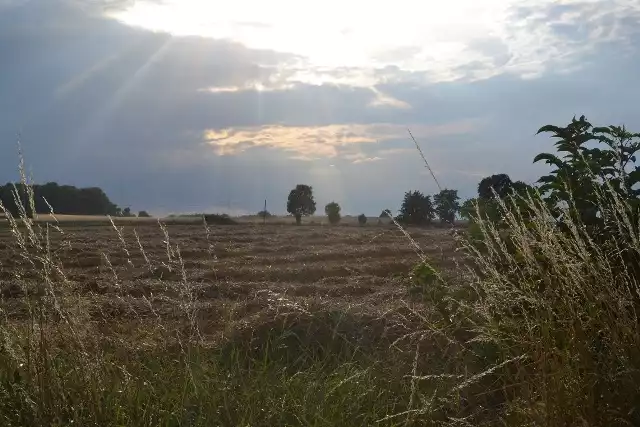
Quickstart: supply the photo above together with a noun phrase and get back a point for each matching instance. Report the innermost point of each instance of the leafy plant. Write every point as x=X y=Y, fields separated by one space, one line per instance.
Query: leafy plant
x=426 y=282
x=362 y=219
x=594 y=164
x=143 y=214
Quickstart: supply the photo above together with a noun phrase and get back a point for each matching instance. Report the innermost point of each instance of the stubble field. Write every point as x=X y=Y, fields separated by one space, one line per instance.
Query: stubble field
x=227 y=274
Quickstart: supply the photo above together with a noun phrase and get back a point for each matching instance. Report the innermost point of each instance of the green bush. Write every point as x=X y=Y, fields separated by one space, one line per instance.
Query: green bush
x=362 y=219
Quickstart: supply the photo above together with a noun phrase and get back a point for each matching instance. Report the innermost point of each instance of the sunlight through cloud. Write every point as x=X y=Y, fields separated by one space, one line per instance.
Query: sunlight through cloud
x=441 y=40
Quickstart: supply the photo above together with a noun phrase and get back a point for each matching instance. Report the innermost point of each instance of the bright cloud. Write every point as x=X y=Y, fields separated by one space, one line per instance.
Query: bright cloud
x=325 y=141
x=442 y=40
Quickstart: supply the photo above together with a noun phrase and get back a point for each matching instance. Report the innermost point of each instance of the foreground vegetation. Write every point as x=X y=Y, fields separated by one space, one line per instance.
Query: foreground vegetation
x=528 y=318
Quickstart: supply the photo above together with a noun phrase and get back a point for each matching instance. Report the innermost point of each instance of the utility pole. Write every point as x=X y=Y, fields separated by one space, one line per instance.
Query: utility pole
x=264 y=216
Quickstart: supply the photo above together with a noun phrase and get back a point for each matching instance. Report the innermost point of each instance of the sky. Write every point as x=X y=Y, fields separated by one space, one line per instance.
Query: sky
x=198 y=105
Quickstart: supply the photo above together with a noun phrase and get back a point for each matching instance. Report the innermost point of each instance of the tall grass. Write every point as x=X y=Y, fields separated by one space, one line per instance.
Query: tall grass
x=562 y=305
x=538 y=327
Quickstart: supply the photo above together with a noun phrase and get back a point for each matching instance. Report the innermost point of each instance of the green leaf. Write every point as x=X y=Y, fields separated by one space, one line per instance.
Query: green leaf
x=602 y=129
x=549 y=128
x=634 y=177
x=547 y=179
x=549 y=159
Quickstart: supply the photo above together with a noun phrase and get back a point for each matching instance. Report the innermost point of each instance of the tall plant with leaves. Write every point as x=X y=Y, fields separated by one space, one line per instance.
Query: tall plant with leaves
x=593 y=165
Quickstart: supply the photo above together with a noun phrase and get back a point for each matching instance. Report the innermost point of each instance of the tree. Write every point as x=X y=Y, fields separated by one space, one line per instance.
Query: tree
x=468 y=209
x=300 y=202
x=333 y=212
x=417 y=209
x=62 y=199
x=126 y=212
x=143 y=214
x=447 y=205
x=499 y=185
x=385 y=213
x=362 y=219
x=487 y=209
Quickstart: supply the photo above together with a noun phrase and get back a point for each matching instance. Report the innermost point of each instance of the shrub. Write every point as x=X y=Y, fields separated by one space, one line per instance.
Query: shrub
x=219 y=219
x=362 y=219
x=264 y=214
x=143 y=214
x=333 y=212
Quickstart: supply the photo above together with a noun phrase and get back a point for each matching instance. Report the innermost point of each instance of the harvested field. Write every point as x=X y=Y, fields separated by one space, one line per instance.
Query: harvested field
x=231 y=274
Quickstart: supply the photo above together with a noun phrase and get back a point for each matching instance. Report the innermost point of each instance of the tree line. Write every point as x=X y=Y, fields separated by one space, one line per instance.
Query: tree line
x=60 y=199
x=417 y=208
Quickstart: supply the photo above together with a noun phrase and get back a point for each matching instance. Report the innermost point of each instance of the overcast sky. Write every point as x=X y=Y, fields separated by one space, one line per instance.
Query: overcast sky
x=202 y=105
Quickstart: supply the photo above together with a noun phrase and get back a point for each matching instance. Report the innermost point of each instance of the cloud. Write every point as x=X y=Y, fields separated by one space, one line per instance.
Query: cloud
x=367 y=160
x=384 y=100
x=323 y=141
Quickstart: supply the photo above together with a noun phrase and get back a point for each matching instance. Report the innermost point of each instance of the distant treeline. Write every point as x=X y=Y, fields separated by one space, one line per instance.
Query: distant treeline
x=64 y=200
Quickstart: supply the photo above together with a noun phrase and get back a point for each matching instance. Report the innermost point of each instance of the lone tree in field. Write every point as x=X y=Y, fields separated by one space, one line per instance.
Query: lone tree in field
x=264 y=214
x=385 y=213
x=447 y=205
x=143 y=214
x=300 y=202
x=362 y=219
x=333 y=212
x=417 y=209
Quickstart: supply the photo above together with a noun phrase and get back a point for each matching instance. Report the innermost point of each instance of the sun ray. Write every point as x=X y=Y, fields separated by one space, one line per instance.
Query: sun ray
x=97 y=124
